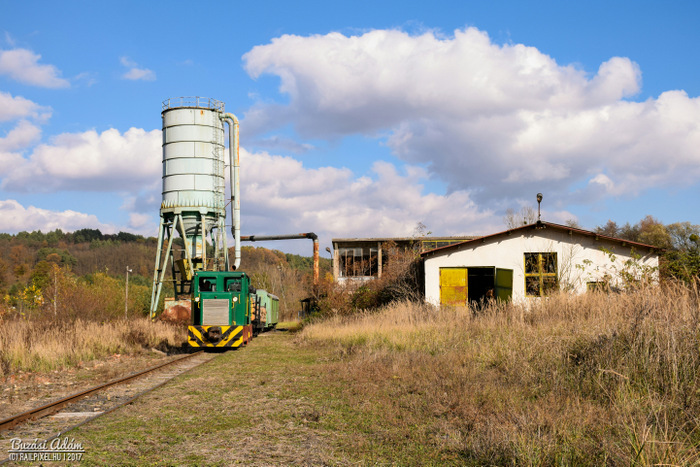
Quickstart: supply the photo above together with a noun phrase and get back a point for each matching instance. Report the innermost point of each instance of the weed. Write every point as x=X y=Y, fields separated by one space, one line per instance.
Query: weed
x=591 y=379
x=49 y=345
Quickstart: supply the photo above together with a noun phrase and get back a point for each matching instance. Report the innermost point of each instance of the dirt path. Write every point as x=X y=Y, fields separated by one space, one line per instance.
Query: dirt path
x=268 y=404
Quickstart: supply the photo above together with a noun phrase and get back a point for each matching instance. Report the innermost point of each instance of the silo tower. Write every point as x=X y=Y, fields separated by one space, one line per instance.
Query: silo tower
x=194 y=192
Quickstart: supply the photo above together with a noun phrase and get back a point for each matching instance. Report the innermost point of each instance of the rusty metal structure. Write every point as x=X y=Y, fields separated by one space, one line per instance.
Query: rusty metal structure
x=310 y=235
x=194 y=198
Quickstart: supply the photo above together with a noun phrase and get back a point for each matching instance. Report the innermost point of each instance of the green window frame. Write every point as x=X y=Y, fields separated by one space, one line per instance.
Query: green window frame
x=541 y=277
x=598 y=286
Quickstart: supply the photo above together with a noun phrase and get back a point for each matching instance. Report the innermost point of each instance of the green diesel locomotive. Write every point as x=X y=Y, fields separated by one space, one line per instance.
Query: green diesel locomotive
x=227 y=311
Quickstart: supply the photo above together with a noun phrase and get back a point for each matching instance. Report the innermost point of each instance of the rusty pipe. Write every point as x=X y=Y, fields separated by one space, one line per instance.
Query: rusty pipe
x=234 y=168
x=316 y=261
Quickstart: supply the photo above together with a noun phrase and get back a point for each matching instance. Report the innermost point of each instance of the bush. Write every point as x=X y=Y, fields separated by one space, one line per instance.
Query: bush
x=402 y=280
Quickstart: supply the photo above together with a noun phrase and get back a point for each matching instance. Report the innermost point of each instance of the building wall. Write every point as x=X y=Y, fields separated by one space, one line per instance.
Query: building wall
x=574 y=252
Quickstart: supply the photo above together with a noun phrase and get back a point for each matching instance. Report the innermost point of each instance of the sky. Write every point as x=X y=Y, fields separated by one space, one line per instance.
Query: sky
x=357 y=119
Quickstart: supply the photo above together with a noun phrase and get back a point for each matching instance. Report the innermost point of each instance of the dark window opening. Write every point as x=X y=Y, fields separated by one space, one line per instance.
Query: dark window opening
x=598 y=286
x=540 y=274
x=359 y=262
x=232 y=285
x=207 y=284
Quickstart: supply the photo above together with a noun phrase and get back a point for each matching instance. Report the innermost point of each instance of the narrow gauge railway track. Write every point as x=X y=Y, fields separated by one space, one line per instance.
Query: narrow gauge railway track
x=51 y=421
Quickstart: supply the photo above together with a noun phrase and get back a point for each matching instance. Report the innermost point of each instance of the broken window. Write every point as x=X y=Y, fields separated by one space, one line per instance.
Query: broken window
x=359 y=261
x=540 y=274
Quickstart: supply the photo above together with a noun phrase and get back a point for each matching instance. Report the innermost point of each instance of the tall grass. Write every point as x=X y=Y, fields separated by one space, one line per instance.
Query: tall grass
x=43 y=345
x=590 y=379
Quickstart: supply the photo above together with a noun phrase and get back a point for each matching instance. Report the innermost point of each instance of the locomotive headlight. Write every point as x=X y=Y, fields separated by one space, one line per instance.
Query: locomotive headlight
x=235 y=299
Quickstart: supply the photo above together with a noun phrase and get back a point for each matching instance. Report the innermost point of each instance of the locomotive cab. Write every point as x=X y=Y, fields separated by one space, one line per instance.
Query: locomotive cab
x=220 y=310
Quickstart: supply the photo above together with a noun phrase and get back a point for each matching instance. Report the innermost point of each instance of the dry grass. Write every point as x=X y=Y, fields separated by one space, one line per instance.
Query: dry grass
x=591 y=379
x=44 y=345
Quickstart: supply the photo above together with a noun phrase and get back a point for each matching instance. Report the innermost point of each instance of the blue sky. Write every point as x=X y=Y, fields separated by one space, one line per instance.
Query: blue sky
x=357 y=119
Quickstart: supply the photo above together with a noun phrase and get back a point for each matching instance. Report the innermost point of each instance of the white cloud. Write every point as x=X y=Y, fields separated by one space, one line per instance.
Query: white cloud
x=87 y=78
x=20 y=137
x=141 y=221
x=279 y=191
x=90 y=161
x=283 y=144
x=135 y=73
x=12 y=108
x=22 y=65
x=16 y=218
x=502 y=121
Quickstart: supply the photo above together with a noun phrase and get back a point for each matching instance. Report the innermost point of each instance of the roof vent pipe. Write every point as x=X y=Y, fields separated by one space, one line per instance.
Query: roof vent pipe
x=234 y=167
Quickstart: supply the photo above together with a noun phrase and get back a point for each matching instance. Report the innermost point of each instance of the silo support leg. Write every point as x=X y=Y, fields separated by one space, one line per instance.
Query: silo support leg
x=162 y=273
x=154 y=301
x=187 y=250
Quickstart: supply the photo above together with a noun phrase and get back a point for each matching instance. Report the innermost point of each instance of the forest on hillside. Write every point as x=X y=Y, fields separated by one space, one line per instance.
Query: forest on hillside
x=37 y=268
x=83 y=272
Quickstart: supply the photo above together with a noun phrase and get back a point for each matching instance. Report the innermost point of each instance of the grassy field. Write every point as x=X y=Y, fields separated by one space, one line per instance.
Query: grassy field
x=45 y=345
x=270 y=403
x=590 y=380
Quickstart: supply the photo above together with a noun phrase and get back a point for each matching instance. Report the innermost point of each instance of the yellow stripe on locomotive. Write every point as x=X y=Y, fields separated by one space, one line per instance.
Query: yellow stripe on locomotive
x=216 y=336
x=220 y=310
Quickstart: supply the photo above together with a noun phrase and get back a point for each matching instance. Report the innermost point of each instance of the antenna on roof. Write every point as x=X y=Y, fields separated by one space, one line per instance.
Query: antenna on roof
x=539 y=202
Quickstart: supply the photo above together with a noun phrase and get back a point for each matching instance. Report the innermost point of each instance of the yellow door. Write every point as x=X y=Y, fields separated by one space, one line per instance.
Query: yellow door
x=453 y=286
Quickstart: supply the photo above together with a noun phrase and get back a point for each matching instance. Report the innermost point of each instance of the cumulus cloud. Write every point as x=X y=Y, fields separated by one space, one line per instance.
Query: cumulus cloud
x=23 y=65
x=89 y=161
x=333 y=202
x=16 y=218
x=283 y=144
x=138 y=221
x=23 y=135
x=501 y=121
x=135 y=73
x=14 y=107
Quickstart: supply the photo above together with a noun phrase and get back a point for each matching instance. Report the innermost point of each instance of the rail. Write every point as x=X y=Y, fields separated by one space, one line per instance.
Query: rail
x=55 y=406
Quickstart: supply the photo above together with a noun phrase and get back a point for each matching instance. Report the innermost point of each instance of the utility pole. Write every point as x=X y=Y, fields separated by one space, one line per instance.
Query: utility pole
x=126 y=296
x=55 y=290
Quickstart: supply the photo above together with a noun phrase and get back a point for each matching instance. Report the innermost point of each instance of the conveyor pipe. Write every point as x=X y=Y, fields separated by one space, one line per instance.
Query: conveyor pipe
x=234 y=168
x=311 y=235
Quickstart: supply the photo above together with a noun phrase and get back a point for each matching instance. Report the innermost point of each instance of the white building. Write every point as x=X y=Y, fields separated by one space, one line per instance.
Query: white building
x=530 y=261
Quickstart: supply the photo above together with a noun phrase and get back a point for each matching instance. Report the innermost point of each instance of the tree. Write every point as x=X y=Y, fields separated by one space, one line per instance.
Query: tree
x=683 y=259
x=41 y=274
x=630 y=232
x=610 y=229
x=572 y=223
x=684 y=235
x=653 y=232
x=526 y=215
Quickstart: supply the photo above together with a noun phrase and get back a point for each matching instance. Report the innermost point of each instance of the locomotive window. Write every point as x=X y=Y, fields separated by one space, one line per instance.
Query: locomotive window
x=207 y=284
x=232 y=285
